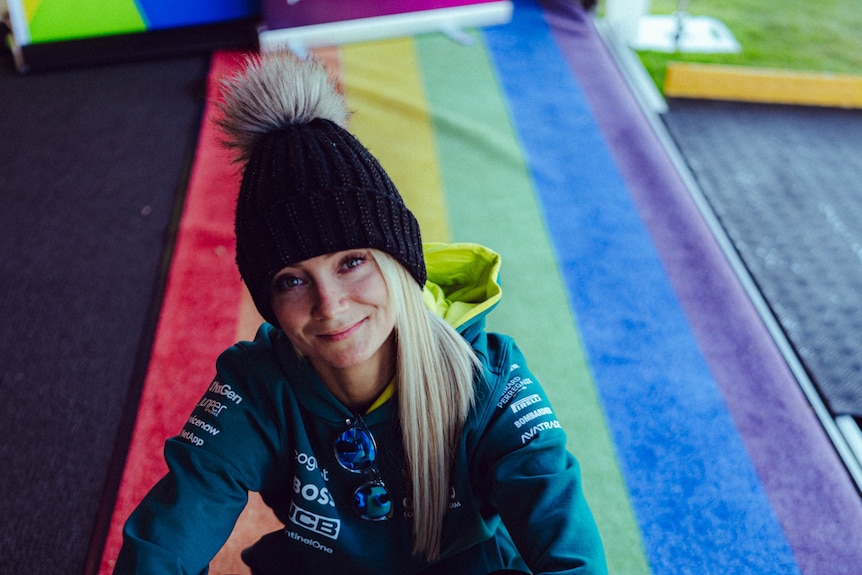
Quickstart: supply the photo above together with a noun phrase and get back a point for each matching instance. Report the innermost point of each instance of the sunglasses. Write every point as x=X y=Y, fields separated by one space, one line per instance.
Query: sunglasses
x=356 y=451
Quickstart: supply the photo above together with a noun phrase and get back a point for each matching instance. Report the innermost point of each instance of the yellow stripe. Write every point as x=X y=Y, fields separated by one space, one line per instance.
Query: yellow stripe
x=390 y=116
x=718 y=82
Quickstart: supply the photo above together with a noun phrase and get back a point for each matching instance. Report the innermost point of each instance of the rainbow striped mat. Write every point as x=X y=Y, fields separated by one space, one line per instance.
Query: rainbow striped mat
x=699 y=452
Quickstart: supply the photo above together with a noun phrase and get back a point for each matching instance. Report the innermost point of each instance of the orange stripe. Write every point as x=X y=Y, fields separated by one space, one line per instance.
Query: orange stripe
x=718 y=82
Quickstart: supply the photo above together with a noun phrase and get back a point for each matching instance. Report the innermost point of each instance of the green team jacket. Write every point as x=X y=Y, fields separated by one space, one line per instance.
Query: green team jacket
x=267 y=424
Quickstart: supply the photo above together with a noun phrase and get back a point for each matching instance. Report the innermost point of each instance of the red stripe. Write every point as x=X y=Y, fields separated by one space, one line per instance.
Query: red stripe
x=199 y=314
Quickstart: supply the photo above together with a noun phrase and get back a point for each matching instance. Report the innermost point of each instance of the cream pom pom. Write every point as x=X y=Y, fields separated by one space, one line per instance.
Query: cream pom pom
x=273 y=91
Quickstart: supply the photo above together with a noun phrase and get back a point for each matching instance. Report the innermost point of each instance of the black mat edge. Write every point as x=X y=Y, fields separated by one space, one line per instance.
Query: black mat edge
x=120 y=451
x=172 y=42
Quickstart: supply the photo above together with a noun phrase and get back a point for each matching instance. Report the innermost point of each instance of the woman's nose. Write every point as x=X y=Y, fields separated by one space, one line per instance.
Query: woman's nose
x=331 y=300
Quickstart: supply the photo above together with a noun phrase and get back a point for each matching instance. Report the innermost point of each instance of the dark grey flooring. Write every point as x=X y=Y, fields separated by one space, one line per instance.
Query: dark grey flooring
x=786 y=184
x=92 y=163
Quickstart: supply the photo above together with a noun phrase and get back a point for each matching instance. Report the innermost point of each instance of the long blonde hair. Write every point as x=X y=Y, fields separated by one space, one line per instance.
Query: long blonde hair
x=435 y=384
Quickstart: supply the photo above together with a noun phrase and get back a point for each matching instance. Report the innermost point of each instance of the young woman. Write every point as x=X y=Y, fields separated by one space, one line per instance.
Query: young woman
x=384 y=426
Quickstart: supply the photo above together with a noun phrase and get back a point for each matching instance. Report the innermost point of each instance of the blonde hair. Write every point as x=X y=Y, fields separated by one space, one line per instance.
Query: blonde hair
x=435 y=384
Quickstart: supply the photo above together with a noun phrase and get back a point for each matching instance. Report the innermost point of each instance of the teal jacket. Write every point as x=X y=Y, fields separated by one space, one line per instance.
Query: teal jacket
x=267 y=424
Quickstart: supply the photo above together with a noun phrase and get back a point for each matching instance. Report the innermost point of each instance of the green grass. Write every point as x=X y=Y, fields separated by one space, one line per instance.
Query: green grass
x=803 y=35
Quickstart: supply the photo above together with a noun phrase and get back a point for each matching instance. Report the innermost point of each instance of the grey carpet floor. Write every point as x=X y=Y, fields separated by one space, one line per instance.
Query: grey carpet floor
x=786 y=184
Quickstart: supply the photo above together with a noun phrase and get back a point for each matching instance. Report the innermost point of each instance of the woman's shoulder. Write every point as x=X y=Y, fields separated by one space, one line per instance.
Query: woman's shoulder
x=502 y=363
x=261 y=365
x=266 y=349
x=508 y=385
x=494 y=351
x=265 y=342
x=511 y=409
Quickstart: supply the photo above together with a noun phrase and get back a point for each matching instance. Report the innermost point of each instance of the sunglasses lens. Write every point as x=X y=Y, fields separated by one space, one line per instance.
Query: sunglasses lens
x=372 y=501
x=355 y=449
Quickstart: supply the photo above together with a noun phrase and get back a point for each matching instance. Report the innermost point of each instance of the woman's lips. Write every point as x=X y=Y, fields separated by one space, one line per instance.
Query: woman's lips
x=340 y=334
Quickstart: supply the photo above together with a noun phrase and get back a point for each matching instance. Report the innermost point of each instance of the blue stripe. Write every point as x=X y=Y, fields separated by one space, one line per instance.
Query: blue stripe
x=698 y=500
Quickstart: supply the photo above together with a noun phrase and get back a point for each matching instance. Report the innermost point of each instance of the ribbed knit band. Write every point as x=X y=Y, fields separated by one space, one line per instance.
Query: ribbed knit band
x=313 y=189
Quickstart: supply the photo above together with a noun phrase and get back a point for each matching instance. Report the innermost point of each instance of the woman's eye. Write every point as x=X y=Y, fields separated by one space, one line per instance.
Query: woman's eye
x=286 y=283
x=354 y=261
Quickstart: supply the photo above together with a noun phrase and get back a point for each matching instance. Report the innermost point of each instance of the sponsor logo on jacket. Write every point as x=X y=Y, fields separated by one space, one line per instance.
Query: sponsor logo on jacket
x=319 y=524
x=525 y=403
x=513 y=387
x=538 y=428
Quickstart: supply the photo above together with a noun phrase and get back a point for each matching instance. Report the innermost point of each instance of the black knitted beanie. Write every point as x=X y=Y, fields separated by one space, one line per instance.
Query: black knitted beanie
x=309 y=187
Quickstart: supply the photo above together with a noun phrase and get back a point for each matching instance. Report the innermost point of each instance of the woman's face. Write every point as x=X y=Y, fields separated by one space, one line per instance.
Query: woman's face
x=335 y=309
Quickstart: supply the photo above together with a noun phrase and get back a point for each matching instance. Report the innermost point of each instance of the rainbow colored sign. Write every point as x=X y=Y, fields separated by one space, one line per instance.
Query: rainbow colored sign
x=40 y=21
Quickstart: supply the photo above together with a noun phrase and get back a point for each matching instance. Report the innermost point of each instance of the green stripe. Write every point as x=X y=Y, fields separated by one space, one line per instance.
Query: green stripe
x=491 y=200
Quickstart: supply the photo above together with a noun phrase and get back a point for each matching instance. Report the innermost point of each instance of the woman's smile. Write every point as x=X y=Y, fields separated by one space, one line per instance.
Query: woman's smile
x=342 y=333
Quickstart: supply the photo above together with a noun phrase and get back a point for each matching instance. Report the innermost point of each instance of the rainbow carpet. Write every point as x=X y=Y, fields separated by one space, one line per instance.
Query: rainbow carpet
x=699 y=452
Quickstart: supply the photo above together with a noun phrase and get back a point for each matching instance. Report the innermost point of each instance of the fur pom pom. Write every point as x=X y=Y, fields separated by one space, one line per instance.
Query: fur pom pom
x=274 y=91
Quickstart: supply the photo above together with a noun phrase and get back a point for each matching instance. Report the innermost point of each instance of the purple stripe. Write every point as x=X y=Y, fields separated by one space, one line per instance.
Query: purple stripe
x=813 y=497
x=281 y=14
